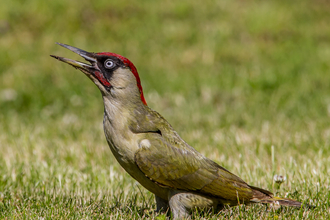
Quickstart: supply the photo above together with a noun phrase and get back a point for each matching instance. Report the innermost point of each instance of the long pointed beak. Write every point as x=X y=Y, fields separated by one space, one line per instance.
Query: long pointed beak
x=77 y=64
x=91 y=70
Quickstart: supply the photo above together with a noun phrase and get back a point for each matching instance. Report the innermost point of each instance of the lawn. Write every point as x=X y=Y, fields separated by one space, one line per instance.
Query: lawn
x=246 y=83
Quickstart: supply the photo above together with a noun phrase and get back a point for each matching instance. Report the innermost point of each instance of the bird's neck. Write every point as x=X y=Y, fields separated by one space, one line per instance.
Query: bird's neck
x=118 y=116
x=121 y=110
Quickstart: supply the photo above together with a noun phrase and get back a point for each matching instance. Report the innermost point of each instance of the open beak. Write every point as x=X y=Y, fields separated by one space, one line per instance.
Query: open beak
x=86 y=55
x=91 y=70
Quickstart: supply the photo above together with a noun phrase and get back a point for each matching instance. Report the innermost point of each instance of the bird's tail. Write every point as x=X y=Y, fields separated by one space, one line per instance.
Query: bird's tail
x=282 y=201
x=264 y=196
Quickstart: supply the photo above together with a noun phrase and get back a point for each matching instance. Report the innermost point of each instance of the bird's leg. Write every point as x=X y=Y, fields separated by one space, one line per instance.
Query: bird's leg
x=162 y=204
x=182 y=203
x=177 y=206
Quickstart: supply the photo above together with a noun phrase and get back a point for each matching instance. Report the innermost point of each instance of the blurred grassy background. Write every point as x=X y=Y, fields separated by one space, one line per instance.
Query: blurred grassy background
x=234 y=78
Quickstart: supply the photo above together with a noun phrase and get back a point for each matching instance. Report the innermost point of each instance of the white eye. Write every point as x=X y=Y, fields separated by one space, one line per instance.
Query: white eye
x=109 y=64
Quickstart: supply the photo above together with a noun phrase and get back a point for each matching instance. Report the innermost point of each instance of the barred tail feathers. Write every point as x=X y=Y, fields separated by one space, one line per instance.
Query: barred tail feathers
x=264 y=196
x=282 y=201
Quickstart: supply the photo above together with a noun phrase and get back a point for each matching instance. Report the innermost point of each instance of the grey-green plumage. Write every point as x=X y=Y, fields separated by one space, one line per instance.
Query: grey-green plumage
x=171 y=162
x=152 y=152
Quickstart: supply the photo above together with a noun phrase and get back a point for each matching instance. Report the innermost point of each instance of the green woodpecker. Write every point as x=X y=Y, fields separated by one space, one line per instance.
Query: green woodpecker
x=152 y=152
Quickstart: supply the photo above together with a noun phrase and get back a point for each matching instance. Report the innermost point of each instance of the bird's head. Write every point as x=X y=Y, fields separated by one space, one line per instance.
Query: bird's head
x=113 y=74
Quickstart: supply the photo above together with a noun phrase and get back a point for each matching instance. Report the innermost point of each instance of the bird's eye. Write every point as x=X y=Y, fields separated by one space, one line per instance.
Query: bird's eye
x=109 y=64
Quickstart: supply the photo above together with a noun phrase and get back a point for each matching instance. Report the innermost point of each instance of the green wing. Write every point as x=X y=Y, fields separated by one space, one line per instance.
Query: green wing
x=184 y=168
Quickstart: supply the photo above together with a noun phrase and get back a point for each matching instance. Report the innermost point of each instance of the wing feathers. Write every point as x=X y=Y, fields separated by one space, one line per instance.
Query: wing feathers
x=183 y=169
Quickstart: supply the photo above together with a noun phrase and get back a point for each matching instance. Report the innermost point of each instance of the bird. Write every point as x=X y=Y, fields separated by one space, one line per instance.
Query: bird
x=153 y=153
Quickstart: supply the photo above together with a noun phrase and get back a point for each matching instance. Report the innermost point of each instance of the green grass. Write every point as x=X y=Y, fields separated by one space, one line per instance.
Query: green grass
x=234 y=78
